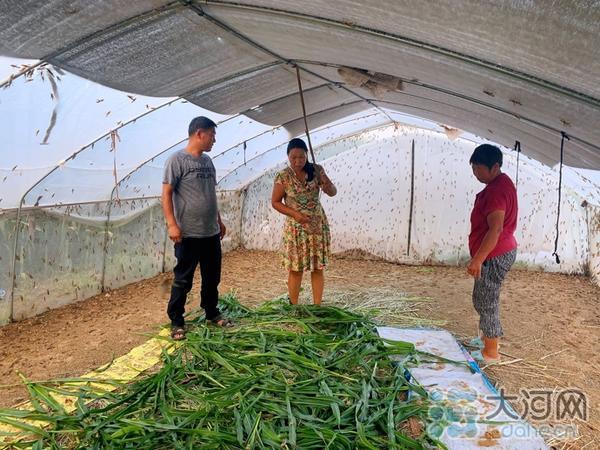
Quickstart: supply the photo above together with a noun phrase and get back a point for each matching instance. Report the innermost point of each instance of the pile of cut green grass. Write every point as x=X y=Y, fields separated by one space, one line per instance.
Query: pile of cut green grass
x=285 y=377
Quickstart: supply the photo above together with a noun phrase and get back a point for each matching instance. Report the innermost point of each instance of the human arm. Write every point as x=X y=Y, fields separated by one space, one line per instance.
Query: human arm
x=277 y=204
x=324 y=182
x=167 y=204
x=495 y=221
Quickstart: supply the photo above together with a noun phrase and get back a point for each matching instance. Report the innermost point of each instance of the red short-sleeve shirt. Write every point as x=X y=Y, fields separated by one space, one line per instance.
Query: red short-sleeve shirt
x=498 y=195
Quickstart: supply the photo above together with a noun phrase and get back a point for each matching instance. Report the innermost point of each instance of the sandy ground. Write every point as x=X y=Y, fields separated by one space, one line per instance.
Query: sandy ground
x=551 y=322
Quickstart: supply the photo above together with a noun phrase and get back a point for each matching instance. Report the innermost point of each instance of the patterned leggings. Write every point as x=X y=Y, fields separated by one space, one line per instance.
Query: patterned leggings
x=486 y=293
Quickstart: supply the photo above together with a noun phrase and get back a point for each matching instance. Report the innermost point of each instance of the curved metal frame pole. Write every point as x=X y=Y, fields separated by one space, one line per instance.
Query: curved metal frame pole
x=111 y=201
x=244 y=186
x=17 y=231
x=20 y=73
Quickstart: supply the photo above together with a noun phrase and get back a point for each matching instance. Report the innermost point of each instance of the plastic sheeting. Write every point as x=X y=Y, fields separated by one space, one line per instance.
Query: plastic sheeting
x=465 y=87
x=58 y=260
x=561 y=34
x=593 y=218
x=65 y=254
x=273 y=154
x=84 y=112
x=372 y=172
x=467 y=412
x=509 y=71
x=82 y=161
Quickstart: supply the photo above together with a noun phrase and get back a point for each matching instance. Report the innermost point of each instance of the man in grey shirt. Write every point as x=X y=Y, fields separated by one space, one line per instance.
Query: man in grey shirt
x=190 y=207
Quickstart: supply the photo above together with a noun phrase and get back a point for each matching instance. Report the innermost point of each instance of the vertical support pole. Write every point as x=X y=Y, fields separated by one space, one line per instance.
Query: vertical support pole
x=301 y=92
x=105 y=244
x=412 y=195
x=13 y=281
x=518 y=150
x=560 y=170
x=587 y=271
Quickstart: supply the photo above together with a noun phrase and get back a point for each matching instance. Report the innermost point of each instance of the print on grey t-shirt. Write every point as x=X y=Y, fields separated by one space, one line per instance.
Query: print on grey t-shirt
x=194 y=183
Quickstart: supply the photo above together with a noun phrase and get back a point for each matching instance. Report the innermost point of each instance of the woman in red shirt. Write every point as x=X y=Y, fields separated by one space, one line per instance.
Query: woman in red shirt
x=492 y=244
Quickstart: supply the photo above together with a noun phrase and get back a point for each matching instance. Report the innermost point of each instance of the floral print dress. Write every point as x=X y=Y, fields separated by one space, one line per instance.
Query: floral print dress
x=305 y=246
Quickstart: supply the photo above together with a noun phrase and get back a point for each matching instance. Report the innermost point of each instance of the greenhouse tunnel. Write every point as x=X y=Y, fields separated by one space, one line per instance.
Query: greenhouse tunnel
x=393 y=96
x=396 y=96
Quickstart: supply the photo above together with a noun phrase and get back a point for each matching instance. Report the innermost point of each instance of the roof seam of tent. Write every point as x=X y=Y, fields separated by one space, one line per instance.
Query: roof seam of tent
x=495 y=108
x=414 y=43
x=330 y=83
x=341 y=24
x=547 y=128
x=232 y=77
x=374 y=102
x=521 y=117
x=198 y=10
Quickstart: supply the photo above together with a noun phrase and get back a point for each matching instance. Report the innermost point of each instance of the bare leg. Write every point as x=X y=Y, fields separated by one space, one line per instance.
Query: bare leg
x=317 y=280
x=294 y=283
x=490 y=349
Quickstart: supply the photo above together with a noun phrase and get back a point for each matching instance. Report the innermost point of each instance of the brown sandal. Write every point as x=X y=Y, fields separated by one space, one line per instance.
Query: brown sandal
x=220 y=321
x=178 y=333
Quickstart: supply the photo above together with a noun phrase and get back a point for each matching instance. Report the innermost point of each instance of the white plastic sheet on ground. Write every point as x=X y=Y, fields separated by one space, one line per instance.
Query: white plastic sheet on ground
x=466 y=413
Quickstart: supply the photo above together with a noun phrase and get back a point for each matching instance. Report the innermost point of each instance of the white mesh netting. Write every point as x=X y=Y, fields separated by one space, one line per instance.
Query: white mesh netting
x=372 y=209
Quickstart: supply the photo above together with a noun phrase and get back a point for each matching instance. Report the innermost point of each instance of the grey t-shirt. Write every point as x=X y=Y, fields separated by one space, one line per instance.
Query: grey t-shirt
x=194 y=181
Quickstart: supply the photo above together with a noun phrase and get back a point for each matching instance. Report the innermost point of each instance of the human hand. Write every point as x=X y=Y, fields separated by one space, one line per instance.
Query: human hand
x=174 y=233
x=320 y=175
x=474 y=268
x=222 y=229
x=325 y=183
x=301 y=218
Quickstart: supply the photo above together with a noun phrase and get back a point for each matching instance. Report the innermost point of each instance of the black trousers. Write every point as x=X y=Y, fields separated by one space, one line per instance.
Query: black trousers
x=189 y=253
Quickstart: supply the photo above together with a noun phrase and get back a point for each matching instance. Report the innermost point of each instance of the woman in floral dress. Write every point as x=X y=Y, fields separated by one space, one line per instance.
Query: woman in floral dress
x=306 y=236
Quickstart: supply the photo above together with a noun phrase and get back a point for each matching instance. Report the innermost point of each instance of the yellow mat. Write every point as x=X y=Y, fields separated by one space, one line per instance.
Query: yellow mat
x=124 y=368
